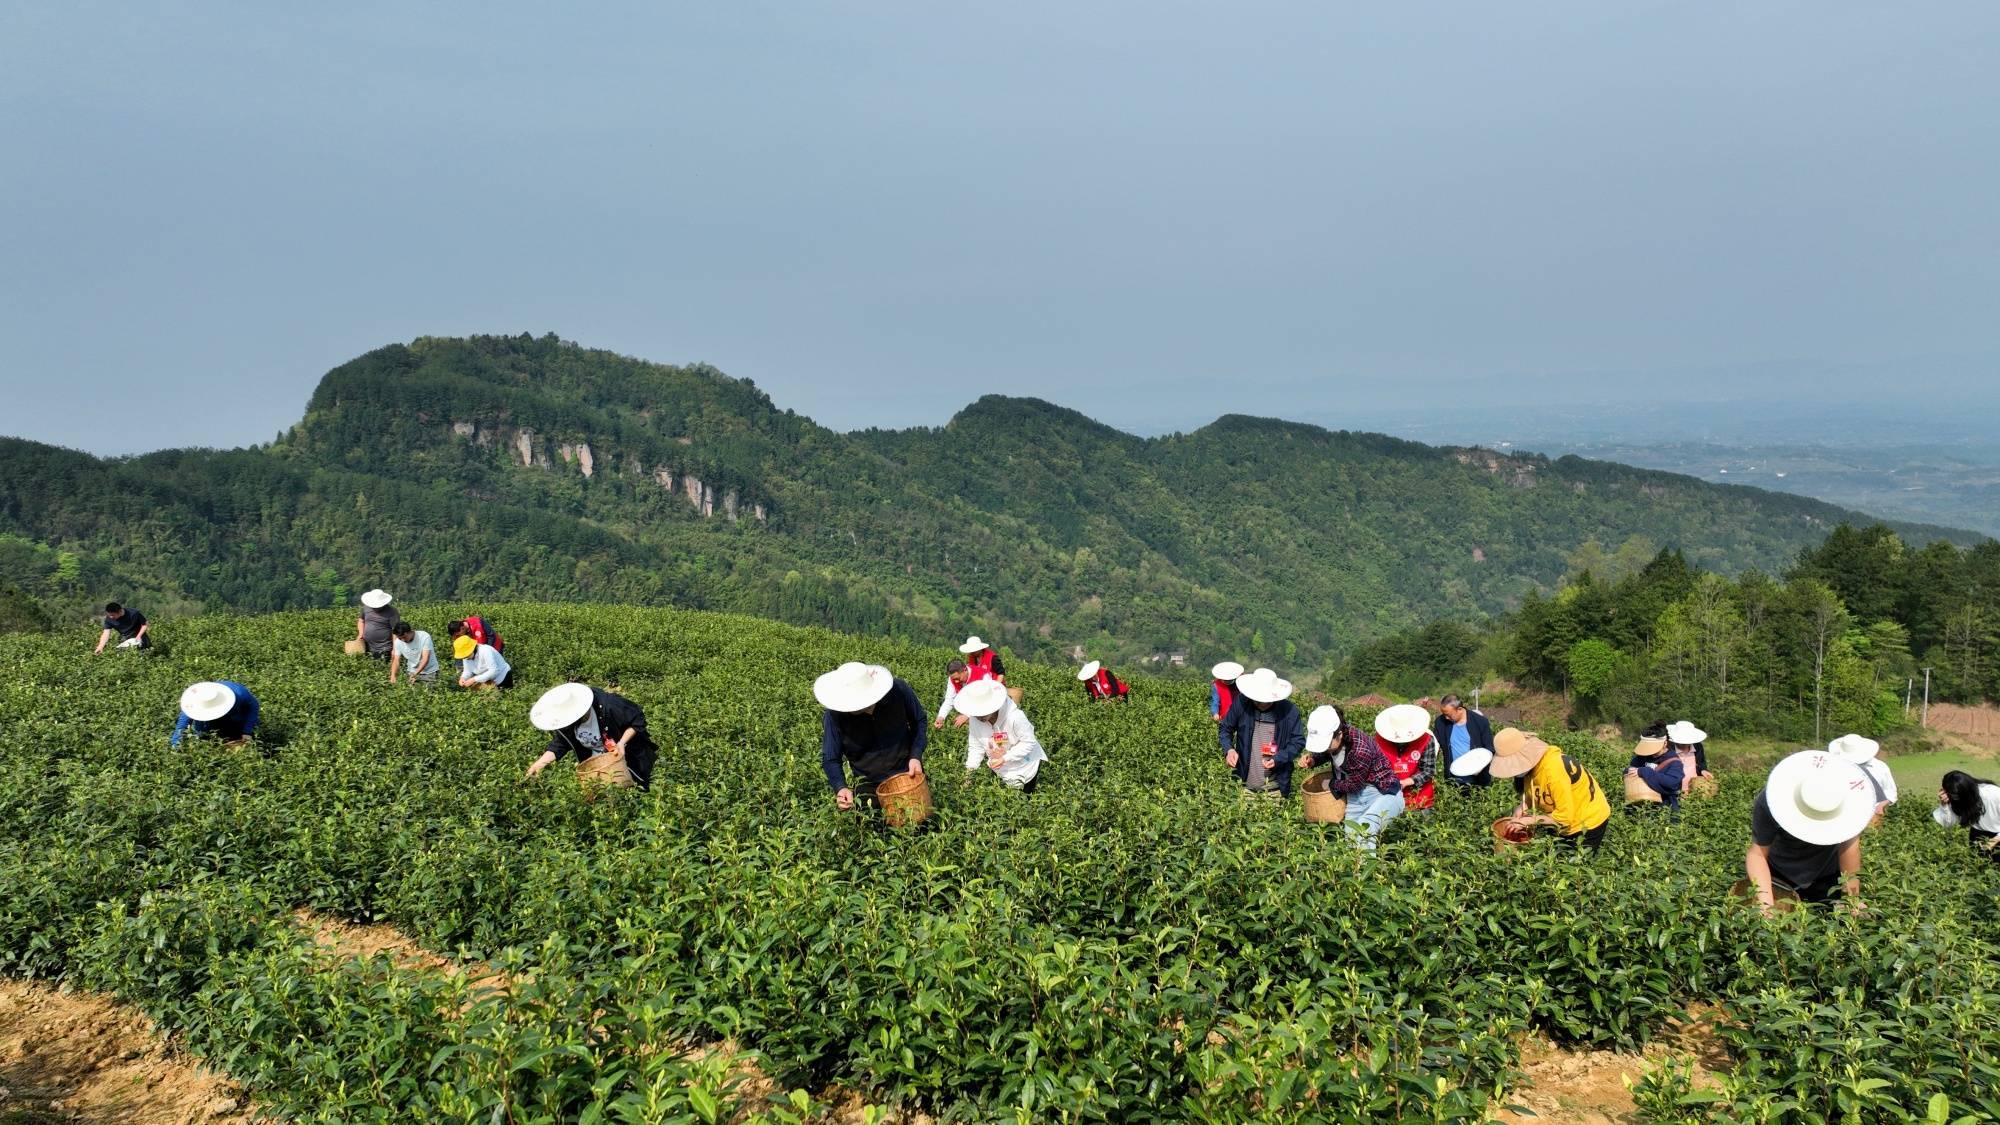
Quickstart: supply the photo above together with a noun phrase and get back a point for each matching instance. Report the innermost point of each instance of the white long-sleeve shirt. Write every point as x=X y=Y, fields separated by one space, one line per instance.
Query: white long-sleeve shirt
x=1885 y=782
x=1989 y=813
x=486 y=666
x=950 y=693
x=1021 y=755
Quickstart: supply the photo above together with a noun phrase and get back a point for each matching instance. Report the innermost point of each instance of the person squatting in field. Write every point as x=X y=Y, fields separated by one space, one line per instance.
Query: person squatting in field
x=130 y=626
x=1653 y=776
x=1261 y=736
x=1361 y=773
x=871 y=721
x=413 y=654
x=1556 y=791
x=1099 y=684
x=1805 y=830
x=1974 y=804
x=375 y=629
x=221 y=709
x=481 y=667
x=1403 y=734
x=1000 y=737
x=606 y=733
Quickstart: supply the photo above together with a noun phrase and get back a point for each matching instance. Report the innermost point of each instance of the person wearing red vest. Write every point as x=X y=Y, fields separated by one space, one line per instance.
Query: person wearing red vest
x=981 y=662
x=1223 y=694
x=1403 y=732
x=1099 y=683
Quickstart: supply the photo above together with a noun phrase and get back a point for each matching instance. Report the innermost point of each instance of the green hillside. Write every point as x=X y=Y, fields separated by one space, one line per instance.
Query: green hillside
x=500 y=467
x=1133 y=943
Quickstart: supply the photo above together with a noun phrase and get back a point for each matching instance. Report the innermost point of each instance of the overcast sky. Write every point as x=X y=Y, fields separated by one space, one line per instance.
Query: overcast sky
x=1154 y=212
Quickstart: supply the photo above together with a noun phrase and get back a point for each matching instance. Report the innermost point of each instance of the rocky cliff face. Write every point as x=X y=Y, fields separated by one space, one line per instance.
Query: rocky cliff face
x=530 y=450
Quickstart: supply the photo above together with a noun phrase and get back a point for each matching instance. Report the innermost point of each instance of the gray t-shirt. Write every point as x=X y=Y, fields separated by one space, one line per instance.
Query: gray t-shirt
x=418 y=650
x=1793 y=861
x=377 y=628
x=1262 y=734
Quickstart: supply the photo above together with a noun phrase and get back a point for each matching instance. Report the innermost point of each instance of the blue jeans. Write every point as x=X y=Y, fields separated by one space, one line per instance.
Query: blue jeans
x=1371 y=810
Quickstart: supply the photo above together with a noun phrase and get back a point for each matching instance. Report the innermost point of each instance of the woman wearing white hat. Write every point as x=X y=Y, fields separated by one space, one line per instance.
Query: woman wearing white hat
x=1805 y=829
x=1099 y=684
x=222 y=708
x=605 y=731
x=1689 y=743
x=872 y=722
x=1654 y=777
x=1361 y=775
x=1262 y=736
x=1403 y=734
x=981 y=662
x=1222 y=695
x=1865 y=752
x=376 y=626
x=1000 y=737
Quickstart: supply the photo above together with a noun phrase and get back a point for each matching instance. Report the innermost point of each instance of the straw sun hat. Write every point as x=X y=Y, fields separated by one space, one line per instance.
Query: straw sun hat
x=1226 y=671
x=972 y=645
x=1402 y=724
x=1515 y=752
x=1819 y=798
x=1320 y=726
x=1649 y=748
x=207 y=701
x=376 y=599
x=980 y=698
x=560 y=706
x=1088 y=670
x=1264 y=686
x=854 y=686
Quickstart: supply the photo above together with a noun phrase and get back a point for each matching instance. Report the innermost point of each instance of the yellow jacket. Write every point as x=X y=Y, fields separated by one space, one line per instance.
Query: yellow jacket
x=1560 y=788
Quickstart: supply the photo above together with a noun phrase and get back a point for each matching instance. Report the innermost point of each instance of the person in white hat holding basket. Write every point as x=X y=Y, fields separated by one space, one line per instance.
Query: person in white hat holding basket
x=1262 y=736
x=1866 y=753
x=222 y=709
x=1805 y=830
x=1689 y=743
x=376 y=627
x=872 y=722
x=1222 y=694
x=1362 y=774
x=605 y=731
x=999 y=736
x=1099 y=684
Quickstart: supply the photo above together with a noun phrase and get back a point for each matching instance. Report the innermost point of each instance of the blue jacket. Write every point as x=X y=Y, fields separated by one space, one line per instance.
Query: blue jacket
x=238 y=723
x=1481 y=733
x=1241 y=724
x=1666 y=781
x=879 y=744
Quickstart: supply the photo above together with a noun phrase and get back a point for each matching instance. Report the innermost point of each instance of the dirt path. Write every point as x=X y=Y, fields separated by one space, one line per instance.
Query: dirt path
x=84 y=1059
x=349 y=939
x=1567 y=1087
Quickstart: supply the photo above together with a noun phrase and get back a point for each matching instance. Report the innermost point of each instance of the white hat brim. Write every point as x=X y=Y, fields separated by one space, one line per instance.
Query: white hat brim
x=838 y=693
x=980 y=698
x=1264 y=691
x=376 y=599
x=1088 y=670
x=969 y=647
x=1471 y=762
x=560 y=706
x=1684 y=733
x=1781 y=793
x=1227 y=670
x=1402 y=723
x=1857 y=751
x=205 y=706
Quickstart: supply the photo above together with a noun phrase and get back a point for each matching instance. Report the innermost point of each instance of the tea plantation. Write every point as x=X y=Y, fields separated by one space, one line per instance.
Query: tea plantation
x=1132 y=944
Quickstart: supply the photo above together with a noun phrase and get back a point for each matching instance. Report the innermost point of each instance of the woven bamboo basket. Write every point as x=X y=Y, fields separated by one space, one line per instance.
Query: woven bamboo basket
x=1638 y=792
x=905 y=800
x=1506 y=834
x=1321 y=806
x=1704 y=787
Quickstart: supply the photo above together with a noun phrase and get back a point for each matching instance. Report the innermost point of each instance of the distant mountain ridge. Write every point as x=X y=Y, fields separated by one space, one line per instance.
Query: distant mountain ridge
x=531 y=468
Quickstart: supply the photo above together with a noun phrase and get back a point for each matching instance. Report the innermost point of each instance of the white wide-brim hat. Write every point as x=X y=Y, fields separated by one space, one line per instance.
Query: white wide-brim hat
x=1471 y=762
x=1854 y=748
x=1088 y=670
x=1403 y=723
x=980 y=698
x=207 y=701
x=852 y=686
x=560 y=706
x=1685 y=733
x=1819 y=798
x=972 y=645
x=376 y=599
x=1264 y=686
x=1320 y=726
x=1226 y=671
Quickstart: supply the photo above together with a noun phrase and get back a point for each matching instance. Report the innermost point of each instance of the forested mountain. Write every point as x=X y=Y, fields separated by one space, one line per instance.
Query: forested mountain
x=531 y=468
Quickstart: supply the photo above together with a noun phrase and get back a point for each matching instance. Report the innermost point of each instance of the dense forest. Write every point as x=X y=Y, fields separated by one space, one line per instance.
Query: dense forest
x=1831 y=646
x=530 y=468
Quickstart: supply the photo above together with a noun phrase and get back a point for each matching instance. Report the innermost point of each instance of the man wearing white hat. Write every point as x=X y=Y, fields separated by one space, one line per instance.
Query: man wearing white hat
x=1865 y=752
x=872 y=722
x=222 y=708
x=1099 y=684
x=1262 y=736
x=1805 y=829
x=981 y=662
x=1222 y=694
x=1000 y=737
x=1689 y=743
x=376 y=627
x=1361 y=775
x=605 y=731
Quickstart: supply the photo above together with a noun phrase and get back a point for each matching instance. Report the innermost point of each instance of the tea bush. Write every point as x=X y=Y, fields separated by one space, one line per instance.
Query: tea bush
x=1133 y=943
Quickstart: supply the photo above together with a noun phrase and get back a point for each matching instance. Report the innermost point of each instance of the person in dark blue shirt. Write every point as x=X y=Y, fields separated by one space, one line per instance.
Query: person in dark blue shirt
x=223 y=708
x=131 y=626
x=1459 y=731
x=874 y=723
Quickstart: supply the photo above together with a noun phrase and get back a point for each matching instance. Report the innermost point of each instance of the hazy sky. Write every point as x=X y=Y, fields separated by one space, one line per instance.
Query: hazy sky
x=1154 y=212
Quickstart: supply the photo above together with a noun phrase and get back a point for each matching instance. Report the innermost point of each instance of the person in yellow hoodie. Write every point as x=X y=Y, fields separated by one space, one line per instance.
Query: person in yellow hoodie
x=1556 y=791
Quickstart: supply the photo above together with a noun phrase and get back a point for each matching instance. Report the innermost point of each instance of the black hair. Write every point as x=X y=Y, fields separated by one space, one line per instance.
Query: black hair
x=403 y=630
x=455 y=628
x=954 y=666
x=1657 y=730
x=1961 y=791
x=113 y=607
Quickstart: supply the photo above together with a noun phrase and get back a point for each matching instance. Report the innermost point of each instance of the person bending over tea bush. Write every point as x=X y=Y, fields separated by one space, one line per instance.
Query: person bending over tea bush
x=1000 y=736
x=1805 y=830
x=1361 y=774
x=1656 y=772
x=1968 y=802
x=223 y=709
x=873 y=722
x=481 y=667
x=1556 y=791
x=1099 y=685
x=414 y=655
x=605 y=731
x=130 y=626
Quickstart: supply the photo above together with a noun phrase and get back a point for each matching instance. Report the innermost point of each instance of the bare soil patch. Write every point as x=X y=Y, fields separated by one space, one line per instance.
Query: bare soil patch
x=1566 y=1087
x=83 y=1059
x=1979 y=726
x=351 y=939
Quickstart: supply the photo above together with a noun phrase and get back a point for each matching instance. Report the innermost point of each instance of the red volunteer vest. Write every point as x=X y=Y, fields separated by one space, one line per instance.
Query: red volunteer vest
x=1225 y=694
x=1404 y=761
x=979 y=666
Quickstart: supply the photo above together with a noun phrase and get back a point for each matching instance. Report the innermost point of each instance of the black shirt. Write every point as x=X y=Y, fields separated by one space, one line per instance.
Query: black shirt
x=1795 y=862
x=879 y=744
x=615 y=715
x=127 y=626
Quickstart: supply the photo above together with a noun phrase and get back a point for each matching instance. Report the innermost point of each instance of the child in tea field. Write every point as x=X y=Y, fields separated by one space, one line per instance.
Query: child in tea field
x=873 y=722
x=130 y=626
x=1805 y=829
x=1656 y=772
x=1967 y=801
x=481 y=667
x=1556 y=791
x=1000 y=737
x=605 y=731
x=1362 y=775
x=223 y=709
x=414 y=655
x=1261 y=735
